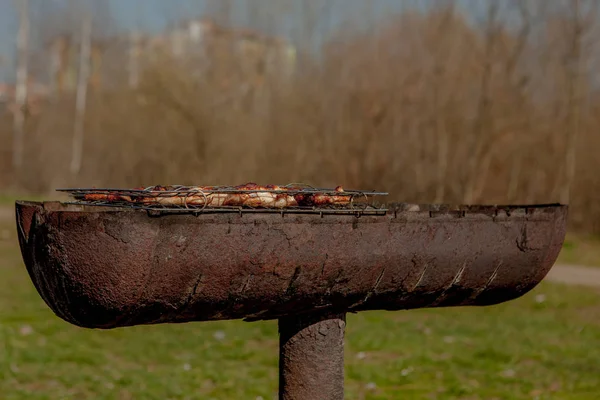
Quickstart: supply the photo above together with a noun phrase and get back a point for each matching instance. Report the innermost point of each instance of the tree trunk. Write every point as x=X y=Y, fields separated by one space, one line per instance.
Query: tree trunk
x=82 y=84
x=21 y=85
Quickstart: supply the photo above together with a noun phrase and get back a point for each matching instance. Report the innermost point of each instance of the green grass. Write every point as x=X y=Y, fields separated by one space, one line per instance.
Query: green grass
x=581 y=250
x=545 y=345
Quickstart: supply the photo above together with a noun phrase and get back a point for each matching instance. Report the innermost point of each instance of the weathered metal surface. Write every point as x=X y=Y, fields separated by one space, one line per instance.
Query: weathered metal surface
x=106 y=268
x=311 y=357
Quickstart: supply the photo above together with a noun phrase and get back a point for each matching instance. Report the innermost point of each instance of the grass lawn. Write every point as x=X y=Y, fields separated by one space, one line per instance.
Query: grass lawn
x=545 y=345
x=581 y=250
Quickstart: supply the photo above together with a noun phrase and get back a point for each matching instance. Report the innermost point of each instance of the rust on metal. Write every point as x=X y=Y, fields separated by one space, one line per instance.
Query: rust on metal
x=107 y=267
x=311 y=356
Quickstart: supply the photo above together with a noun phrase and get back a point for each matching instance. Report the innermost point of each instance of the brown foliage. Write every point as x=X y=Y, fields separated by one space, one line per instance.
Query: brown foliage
x=429 y=108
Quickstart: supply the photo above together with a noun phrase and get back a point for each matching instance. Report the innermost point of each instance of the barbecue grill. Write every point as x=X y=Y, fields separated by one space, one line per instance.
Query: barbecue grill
x=110 y=264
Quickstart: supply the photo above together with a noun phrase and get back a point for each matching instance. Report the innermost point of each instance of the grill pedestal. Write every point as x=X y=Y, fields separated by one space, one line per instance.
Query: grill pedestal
x=311 y=357
x=98 y=268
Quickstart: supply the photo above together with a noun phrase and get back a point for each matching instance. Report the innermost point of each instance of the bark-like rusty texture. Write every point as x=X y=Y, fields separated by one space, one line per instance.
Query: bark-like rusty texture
x=106 y=267
x=311 y=357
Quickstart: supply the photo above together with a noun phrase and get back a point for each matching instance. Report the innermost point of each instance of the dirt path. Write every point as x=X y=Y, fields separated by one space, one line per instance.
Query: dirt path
x=575 y=275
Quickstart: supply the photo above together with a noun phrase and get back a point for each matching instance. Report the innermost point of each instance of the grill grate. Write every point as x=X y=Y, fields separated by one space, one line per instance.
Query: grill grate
x=357 y=201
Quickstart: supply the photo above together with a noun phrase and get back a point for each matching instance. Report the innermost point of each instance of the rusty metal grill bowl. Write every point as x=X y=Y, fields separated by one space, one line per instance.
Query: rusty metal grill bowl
x=100 y=267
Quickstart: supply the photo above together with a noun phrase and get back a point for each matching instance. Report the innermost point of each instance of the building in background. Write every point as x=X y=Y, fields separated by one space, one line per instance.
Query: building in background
x=63 y=52
x=198 y=43
x=37 y=93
